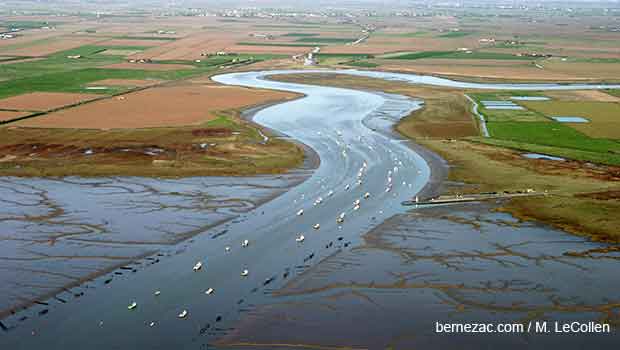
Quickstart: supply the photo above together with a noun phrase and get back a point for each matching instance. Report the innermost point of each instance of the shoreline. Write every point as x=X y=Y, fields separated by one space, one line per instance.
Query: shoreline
x=311 y=158
x=311 y=162
x=438 y=173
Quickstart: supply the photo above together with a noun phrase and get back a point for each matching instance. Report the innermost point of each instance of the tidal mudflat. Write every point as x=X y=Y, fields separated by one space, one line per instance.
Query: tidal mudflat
x=58 y=233
x=447 y=264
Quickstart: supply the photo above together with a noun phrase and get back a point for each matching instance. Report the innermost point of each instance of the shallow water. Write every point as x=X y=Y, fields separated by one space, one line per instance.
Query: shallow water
x=346 y=128
x=56 y=232
x=445 y=264
x=541 y=156
x=571 y=119
x=530 y=98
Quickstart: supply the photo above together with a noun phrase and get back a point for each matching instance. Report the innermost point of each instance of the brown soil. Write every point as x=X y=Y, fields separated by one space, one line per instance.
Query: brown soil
x=8 y=115
x=192 y=46
x=44 y=101
x=601 y=196
x=51 y=46
x=132 y=42
x=156 y=107
x=582 y=95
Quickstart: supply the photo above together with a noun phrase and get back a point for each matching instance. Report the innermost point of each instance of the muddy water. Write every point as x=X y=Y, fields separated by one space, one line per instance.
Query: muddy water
x=451 y=264
x=58 y=232
x=350 y=132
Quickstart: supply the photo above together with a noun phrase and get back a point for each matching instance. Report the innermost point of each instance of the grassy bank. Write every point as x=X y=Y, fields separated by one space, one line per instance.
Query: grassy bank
x=585 y=196
x=227 y=145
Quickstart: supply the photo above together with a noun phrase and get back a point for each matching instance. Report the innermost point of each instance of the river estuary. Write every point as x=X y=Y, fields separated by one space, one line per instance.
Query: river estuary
x=378 y=277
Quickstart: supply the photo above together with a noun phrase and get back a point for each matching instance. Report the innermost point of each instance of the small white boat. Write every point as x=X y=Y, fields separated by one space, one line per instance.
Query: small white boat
x=316 y=226
x=359 y=182
x=245 y=272
x=209 y=291
x=330 y=193
x=341 y=215
x=198 y=266
x=157 y=293
x=132 y=306
x=388 y=189
x=300 y=239
x=356 y=207
x=245 y=243
x=227 y=249
x=300 y=212
x=366 y=195
x=183 y=314
x=339 y=220
x=151 y=324
x=346 y=188
x=357 y=202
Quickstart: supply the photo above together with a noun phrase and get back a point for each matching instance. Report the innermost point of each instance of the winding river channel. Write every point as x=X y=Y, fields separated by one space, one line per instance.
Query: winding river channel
x=381 y=277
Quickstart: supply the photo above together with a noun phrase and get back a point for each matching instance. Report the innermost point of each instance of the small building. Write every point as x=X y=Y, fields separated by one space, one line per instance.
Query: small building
x=310 y=60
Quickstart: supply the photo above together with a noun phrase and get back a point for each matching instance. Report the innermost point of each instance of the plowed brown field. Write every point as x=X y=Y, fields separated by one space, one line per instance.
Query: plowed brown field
x=43 y=101
x=157 y=107
x=8 y=115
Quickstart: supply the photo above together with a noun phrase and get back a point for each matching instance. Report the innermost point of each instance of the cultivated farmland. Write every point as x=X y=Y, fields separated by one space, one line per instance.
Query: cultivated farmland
x=156 y=107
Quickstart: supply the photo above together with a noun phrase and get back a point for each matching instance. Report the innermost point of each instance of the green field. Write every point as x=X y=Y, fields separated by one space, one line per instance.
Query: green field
x=506 y=115
x=27 y=24
x=154 y=38
x=604 y=117
x=57 y=73
x=550 y=134
x=59 y=62
x=533 y=130
x=363 y=64
x=569 y=153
